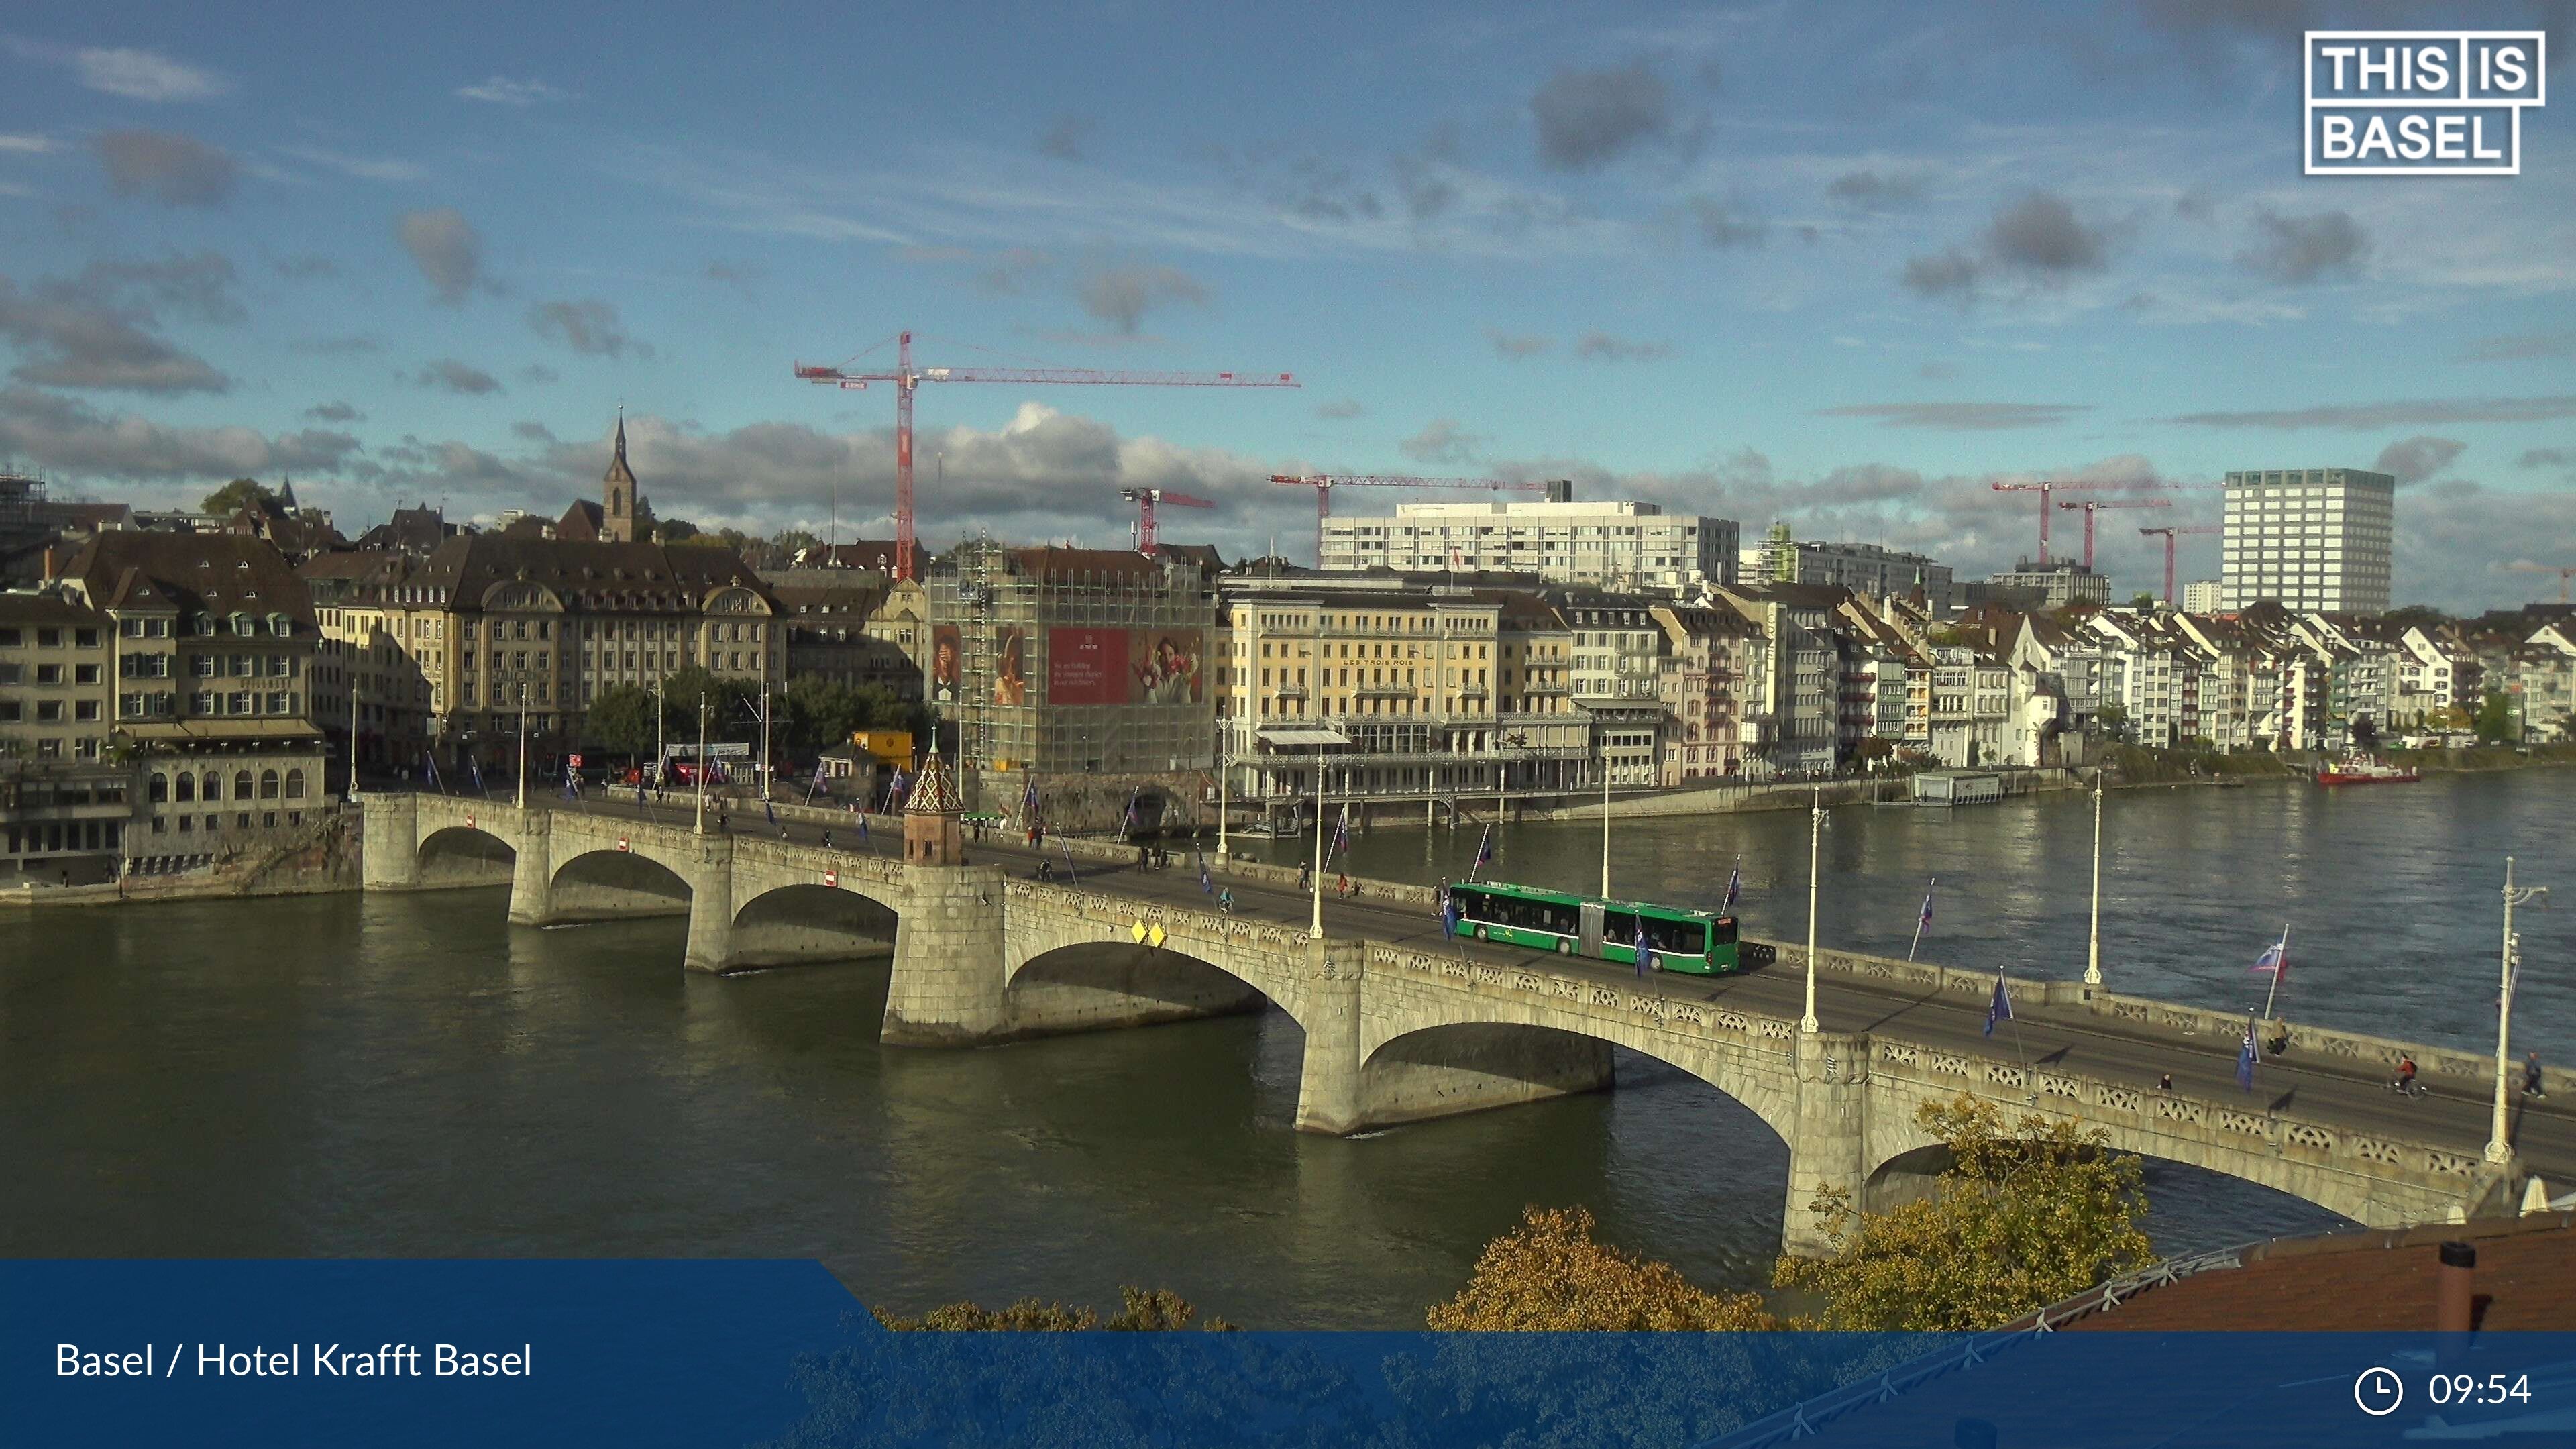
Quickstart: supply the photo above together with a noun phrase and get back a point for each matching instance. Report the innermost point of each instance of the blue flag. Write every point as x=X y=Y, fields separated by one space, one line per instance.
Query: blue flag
x=1485 y=849
x=2274 y=960
x=2245 y=1058
x=769 y=810
x=1927 y=908
x=1645 y=953
x=430 y=761
x=1029 y=801
x=2000 y=1007
x=1734 y=888
x=571 y=791
x=1205 y=883
x=476 y=769
x=1341 y=834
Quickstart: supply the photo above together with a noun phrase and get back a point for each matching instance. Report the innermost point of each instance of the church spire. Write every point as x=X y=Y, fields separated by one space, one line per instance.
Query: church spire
x=618 y=504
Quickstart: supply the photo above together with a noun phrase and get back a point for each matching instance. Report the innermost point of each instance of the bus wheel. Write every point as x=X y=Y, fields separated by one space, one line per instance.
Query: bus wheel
x=1480 y=933
x=1565 y=948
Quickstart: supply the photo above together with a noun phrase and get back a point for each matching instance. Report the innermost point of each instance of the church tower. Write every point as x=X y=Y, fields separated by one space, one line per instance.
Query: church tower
x=618 y=504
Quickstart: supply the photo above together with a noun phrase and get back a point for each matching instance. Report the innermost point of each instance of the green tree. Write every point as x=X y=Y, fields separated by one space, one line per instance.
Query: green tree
x=2023 y=1217
x=822 y=712
x=621 y=720
x=2144 y=603
x=235 y=496
x=2494 y=721
x=1549 y=1275
x=729 y=705
x=674 y=530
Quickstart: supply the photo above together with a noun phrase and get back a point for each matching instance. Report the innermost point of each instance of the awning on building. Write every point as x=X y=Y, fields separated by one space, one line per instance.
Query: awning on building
x=1306 y=738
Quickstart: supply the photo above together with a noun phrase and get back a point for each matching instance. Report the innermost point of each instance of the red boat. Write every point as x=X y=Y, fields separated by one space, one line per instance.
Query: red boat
x=2363 y=770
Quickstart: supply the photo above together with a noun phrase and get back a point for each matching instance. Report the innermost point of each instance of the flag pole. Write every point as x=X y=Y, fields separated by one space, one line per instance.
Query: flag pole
x=1919 y=917
x=2280 y=966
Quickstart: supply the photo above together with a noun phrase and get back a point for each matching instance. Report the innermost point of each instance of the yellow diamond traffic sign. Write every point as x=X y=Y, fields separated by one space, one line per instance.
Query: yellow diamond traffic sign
x=1155 y=935
x=1137 y=930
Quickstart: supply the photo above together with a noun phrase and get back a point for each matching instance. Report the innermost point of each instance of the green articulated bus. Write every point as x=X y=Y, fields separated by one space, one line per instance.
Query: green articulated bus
x=1573 y=925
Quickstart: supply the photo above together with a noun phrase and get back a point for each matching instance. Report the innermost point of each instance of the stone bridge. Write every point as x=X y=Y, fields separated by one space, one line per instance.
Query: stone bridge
x=1400 y=1023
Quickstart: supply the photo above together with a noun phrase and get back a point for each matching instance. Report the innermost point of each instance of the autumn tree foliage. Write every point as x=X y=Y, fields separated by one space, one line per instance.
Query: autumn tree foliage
x=2025 y=1216
x=1549 y=1275
x=1147 y=1310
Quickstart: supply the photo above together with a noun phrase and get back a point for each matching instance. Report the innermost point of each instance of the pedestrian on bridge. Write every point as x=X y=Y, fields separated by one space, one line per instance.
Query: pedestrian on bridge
x=2531 y=1081
x=827 y=839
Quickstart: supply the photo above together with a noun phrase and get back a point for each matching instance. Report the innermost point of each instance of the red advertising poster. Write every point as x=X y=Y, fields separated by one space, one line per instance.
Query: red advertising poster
x=1087 y=666
x=1166 y=666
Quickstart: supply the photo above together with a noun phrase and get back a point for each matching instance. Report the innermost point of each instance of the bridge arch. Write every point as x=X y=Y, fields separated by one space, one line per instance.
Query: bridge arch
x=1524 y=1051
x=606 y=885
x=463 y=855
x=811 y=922
x=1088 y=984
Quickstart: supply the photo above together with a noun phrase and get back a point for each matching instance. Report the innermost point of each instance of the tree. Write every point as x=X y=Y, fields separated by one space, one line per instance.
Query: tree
x=2144 y=603
x=822 y=712
x=674 y=530
x=2494 y=722
x=621 y=720
x=2365 y=733
x=1147 y=1310
x=2422 y=616
x=235 y=496
x=729 y=705
x=1549 y=1275
x=2021 y=1219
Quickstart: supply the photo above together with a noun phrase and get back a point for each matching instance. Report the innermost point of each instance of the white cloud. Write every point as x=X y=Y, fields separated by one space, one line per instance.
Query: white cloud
x=364 y=168
x=503 y=91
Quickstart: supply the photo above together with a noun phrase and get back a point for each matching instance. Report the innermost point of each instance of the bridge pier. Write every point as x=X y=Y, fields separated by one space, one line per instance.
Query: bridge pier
x=1829 y=1143
x=710 y=878
x=946 y=988
x=1329 y=1085
x=389 y=858
x=532 y=874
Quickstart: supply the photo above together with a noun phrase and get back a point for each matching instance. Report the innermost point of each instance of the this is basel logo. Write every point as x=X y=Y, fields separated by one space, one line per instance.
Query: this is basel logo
x=2421 y=102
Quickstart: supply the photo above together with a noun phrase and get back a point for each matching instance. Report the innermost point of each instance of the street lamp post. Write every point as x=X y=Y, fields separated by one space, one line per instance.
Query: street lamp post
x=1316 y=930
x=2499 y=1150
x=523 y=744
x=702 y=764
x=660 y=752
x=2093 y=952
x=1605 y=817
x=1815 y=865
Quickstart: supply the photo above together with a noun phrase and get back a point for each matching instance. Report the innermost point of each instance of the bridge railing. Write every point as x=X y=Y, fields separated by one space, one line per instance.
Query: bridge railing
x=2328 y=1045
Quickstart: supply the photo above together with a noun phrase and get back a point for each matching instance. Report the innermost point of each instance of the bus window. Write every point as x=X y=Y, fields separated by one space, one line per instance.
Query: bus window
x=1681 y=938
x=1723 y=931
x=1618 y=928
x=1556 y=916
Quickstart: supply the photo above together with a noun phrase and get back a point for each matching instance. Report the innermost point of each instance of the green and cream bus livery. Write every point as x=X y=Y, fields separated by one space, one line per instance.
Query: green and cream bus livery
x=1573 y=925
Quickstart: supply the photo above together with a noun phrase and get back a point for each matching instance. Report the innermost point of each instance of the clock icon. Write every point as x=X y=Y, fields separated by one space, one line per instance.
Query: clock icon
x=2378 y=1391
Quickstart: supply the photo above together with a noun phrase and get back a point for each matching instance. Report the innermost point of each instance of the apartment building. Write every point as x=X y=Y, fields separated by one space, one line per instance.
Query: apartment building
x=1864 y=568
x=1710 y=653
x=64 y=788
x=1630 y=546
x=2308 y=539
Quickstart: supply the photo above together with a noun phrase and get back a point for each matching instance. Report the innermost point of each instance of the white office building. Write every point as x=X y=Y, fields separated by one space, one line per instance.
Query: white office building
x=2313 y=538
x=1634 y=547
x=1864 y=568
x=2203 y=596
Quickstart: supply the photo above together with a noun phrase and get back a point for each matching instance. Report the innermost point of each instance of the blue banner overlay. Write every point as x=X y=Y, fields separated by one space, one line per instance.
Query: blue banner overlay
x=753 y=1353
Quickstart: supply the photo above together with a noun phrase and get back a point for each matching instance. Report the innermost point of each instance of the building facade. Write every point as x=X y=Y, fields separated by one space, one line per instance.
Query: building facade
x=1864 y=568
x=2052 y=585
x=2204 y=596
x=2314 y=538
x=64 y=788
x=1625 y=545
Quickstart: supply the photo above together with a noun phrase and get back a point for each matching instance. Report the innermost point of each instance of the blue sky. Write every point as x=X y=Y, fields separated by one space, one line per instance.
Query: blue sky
x=1840 y=265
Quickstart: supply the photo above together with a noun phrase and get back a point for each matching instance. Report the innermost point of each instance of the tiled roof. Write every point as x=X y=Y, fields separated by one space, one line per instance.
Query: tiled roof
x=586 y=572
x=214 y=573
x=2371 y=1282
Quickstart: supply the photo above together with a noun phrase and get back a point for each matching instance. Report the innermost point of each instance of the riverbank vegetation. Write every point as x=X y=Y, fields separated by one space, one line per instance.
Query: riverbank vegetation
x=1147 y=1310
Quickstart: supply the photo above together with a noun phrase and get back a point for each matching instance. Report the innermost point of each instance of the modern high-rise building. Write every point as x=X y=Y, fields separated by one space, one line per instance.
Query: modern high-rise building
x=1864 y=568
x=1626 y=545
x=2313 y=538
x=2203 y=596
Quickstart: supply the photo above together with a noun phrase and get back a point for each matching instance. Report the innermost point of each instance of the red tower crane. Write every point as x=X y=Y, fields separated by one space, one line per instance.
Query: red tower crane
x=2044 y=489
x=2091 y=506
x=1145 y=499
x=907 y=378
x=1325 y=484
x=2171 y=534
x=2526 y=566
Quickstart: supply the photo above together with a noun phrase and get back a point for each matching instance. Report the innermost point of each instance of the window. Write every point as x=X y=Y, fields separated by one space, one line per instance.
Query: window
x=85 y=710
x=160 y=787
x=242 y=786
x=185 y=787
x=295 y=784
x=48 y=711
x=49 y=674
x=268 y=784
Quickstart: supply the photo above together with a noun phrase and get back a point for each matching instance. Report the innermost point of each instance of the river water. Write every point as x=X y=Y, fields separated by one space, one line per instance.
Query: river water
x=409 y=1076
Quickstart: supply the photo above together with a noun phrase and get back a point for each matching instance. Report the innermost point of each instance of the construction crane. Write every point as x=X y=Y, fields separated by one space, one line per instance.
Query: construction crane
x=1325 y=484
x=1145 y=499
x=2171 y=533
x=2045 y=489
x=2091 y=506
x=2526 y=566
x=907 y=379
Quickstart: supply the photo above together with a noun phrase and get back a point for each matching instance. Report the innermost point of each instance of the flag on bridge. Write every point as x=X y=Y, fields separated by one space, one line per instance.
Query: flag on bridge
x=639 y=793
x=1734 y=888
x=2245 y=1058
x=863 y=828
x=430 y=761
x=818 y=775
x=2275 y=961
x=1341 y=834
x=1484 y=853
x=769 y=810
x=1029 y=802
x=1645 y=953
x=477 y=771
x=571 y=790
x=1999 y=1007
x=1925 y=920
x=1205 y=883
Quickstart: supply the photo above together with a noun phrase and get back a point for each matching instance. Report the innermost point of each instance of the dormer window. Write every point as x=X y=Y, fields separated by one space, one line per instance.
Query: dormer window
x=241 y=623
